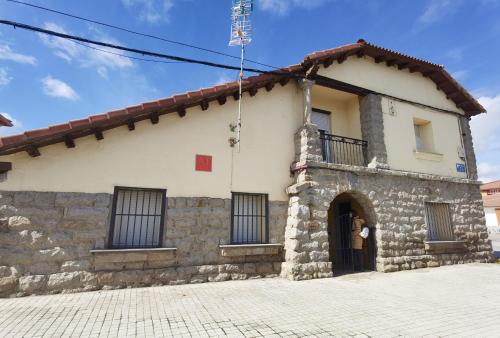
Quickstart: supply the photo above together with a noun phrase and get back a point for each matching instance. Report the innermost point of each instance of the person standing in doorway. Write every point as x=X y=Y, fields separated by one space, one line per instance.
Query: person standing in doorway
x=357 y=241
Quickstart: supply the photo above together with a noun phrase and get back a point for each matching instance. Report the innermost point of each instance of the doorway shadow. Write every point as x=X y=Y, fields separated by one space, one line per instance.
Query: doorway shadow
x=340 y=232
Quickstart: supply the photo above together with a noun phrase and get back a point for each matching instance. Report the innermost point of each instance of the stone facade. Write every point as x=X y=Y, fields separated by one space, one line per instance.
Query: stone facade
x=372 y=129
x=52 y=242
x=392 y=201
x=469 y=148
x=57 y=242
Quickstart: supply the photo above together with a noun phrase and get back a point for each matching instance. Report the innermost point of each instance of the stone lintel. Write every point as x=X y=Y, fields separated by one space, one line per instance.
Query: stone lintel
x=444 y=247
x=357 y=169
x=110 y=251
x=126 y=259
x=238 y=250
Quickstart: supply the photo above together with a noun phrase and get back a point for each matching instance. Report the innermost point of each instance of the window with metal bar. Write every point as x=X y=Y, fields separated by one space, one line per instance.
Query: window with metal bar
x=439 y=224
x=137 y=218
x=249 y=218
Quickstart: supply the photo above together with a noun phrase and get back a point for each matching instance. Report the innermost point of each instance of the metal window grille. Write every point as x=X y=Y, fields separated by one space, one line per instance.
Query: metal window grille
x=249 y=218
x=439 y=223
x=137 y=218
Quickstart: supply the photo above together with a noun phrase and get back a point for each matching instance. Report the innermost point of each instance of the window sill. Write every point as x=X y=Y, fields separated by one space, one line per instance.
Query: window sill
x=428 y=156
x=133 y=259
x=239 y=250
x=441 y=247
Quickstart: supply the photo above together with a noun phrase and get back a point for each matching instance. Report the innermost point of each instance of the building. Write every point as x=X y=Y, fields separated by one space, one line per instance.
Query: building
x=491 y=199
x=158 y=194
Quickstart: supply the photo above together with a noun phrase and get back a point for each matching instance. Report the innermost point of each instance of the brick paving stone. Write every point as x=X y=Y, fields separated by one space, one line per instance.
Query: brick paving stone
x=451 y=301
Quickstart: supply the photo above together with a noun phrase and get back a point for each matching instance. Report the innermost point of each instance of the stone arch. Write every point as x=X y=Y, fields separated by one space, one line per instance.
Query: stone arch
x=339 y=230
x=364 y=203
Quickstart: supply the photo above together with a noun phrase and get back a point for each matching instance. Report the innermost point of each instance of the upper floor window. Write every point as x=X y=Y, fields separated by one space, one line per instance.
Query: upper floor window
x=249 y=218
x=137 y=218
x=424 y=140
x=321 y=118
x=439 y=224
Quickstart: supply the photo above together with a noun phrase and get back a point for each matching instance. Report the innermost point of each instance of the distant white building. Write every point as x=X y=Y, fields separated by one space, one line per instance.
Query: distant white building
x=491 y=199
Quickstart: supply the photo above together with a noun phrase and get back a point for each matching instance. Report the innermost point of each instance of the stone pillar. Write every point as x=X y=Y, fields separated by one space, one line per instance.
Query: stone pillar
x=469 y=147
x=308 y=144
x=306 y=234
x=372 y=129
x=306 y=86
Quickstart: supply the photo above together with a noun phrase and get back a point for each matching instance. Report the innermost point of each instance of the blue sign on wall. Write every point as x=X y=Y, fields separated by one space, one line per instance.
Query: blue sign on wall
x=460 y=167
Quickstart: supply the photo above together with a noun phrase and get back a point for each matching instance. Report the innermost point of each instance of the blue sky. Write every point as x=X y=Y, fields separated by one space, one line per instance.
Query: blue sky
x=46 y=81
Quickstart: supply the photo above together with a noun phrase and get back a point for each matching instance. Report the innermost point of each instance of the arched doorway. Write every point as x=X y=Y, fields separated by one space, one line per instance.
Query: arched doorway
x=340 y=232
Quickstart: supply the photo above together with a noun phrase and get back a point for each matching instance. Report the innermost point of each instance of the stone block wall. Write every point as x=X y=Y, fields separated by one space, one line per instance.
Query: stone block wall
x=372 y=129
x=46 y=239
x=395 y=202
x=469 y=147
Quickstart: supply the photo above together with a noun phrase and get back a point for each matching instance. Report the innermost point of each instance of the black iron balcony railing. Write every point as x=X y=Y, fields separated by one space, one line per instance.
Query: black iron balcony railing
x=343 y=150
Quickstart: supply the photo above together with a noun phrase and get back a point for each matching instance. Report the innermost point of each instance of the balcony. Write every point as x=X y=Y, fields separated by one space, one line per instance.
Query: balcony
x=343 y=150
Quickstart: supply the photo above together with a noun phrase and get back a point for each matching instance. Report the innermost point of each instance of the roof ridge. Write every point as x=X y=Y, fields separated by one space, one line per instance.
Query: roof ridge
x=181 y=101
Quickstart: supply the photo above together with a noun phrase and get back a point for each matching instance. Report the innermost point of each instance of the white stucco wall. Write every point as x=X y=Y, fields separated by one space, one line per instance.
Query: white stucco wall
x=401 y=143
x=491 y=217
x=399 y=130
x=344 y=109
x=364 y=72
x=163 y=155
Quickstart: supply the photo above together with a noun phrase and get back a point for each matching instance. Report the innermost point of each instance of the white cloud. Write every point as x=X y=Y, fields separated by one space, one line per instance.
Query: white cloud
x=488 y=172
x=16 y=128
x=455 y=54
x=460 y=74
x=437 y=10
x=57 y=88
x=486 y=127
x=223 y=78
x=485 y=130
x=6 y=53
x=4 y=77
x=103 y=72
x=65 y=49
x=86 y=57
x=282 y=7
x=151 y=11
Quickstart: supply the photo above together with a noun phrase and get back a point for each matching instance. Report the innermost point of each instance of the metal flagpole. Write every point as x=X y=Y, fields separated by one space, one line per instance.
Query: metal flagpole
x=241 y=34
x=238 y=135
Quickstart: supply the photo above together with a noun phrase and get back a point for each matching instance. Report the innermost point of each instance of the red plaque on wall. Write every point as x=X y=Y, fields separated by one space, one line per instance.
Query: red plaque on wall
x=204 y=163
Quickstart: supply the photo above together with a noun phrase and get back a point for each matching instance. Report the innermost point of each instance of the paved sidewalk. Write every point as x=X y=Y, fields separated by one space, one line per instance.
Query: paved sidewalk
x=458 y=301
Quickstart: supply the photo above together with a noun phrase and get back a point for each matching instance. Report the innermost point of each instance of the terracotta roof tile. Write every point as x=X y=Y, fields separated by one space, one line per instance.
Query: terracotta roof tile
x=37 y=133
x=491 y=185
x=98 y=118
x=440 y=76
x=117 y=113
x=166 y=102
x=59 y=128
x=134 y=109
x=79 y=123
x=83 y=127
